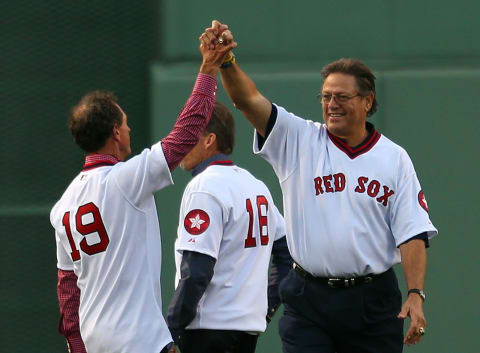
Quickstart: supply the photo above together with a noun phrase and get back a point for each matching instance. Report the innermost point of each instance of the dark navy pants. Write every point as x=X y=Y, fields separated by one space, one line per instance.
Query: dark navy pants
x=321 y=319
x=217 y=341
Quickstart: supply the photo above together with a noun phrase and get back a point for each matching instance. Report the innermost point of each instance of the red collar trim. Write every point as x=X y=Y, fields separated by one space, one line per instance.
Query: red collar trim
x=355 y=152
x=228 y=162
x=96 y=160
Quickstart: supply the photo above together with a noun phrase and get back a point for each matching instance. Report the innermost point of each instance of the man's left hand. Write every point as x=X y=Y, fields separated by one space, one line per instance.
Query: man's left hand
x=413 y=308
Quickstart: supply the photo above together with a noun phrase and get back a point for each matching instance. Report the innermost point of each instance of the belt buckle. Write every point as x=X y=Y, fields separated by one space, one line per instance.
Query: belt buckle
x=341 y=282
x=333 y=282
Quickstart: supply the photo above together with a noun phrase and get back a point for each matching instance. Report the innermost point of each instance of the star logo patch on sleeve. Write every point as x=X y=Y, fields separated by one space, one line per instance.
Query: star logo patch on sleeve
x=196 y=222
x=422 y=200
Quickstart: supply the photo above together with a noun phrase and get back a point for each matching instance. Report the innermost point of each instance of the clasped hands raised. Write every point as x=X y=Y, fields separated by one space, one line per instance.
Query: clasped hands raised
x=216 y=43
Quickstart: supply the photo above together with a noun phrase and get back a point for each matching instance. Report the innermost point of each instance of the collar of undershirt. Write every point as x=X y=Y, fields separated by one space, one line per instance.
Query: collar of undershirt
x=95 y=160
x=216 y=159
x=367 y=144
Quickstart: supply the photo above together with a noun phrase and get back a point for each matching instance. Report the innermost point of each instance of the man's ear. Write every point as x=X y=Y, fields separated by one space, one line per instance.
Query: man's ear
x=115 y=133
x=370 y=99
x=210 y=141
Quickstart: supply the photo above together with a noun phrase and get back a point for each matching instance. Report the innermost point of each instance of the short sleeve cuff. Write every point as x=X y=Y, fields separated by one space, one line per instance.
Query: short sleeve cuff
x=422 y=236
x=202 y=250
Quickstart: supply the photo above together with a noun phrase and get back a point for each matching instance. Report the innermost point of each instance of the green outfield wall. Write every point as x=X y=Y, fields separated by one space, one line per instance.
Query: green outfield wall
x=425 y=54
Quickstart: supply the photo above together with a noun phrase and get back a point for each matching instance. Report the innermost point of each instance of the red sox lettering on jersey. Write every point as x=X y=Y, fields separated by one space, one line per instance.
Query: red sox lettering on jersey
x=337 y=182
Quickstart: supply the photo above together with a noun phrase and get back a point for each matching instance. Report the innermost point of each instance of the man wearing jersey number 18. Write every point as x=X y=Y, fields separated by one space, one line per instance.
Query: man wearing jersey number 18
x=228 y=229
x=353 y=208
x=106 y=224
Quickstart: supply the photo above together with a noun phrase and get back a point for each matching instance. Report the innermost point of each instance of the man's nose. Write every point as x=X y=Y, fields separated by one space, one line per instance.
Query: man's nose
x=333 y=102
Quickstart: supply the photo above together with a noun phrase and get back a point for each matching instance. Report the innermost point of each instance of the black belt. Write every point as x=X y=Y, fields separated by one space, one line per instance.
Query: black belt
x=336 y=282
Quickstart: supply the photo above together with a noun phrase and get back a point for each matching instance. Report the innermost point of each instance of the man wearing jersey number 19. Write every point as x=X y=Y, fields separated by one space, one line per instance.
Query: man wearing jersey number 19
x=353 y=208
x=106 y=224
x=228 y=228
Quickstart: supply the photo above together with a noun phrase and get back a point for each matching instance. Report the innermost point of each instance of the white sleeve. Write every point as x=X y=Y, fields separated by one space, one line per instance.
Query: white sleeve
x=141 y=176
x=201 y=224
x=282 y=146
x=64 y=258
x=409 y=215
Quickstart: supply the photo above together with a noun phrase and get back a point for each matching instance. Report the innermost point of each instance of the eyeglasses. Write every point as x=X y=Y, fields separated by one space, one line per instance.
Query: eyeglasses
x=326 y=98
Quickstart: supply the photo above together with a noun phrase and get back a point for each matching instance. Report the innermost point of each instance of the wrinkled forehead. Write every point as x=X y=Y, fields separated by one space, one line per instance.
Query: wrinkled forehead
x=338 y=82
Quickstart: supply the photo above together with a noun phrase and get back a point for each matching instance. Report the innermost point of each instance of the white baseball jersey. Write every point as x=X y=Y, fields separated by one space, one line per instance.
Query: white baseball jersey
x=228 y=214
x=346 y=210
x=107 y=232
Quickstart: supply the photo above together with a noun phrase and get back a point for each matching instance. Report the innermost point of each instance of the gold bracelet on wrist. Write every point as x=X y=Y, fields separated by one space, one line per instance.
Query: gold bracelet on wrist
x=228 y=61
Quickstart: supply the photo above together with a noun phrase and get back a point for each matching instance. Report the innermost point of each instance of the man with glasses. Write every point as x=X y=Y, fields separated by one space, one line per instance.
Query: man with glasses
x=353 y=209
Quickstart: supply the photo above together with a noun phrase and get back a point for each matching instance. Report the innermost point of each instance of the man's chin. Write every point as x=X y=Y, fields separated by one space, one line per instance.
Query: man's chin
x=337 y=127
x=334 y=129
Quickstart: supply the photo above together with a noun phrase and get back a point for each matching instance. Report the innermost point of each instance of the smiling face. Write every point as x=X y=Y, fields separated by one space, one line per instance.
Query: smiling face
x=345 y=120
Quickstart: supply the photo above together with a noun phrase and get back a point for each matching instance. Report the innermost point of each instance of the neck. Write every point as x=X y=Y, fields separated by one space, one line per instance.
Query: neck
x=358 y=139
x=111 y=149
x=201 y=167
